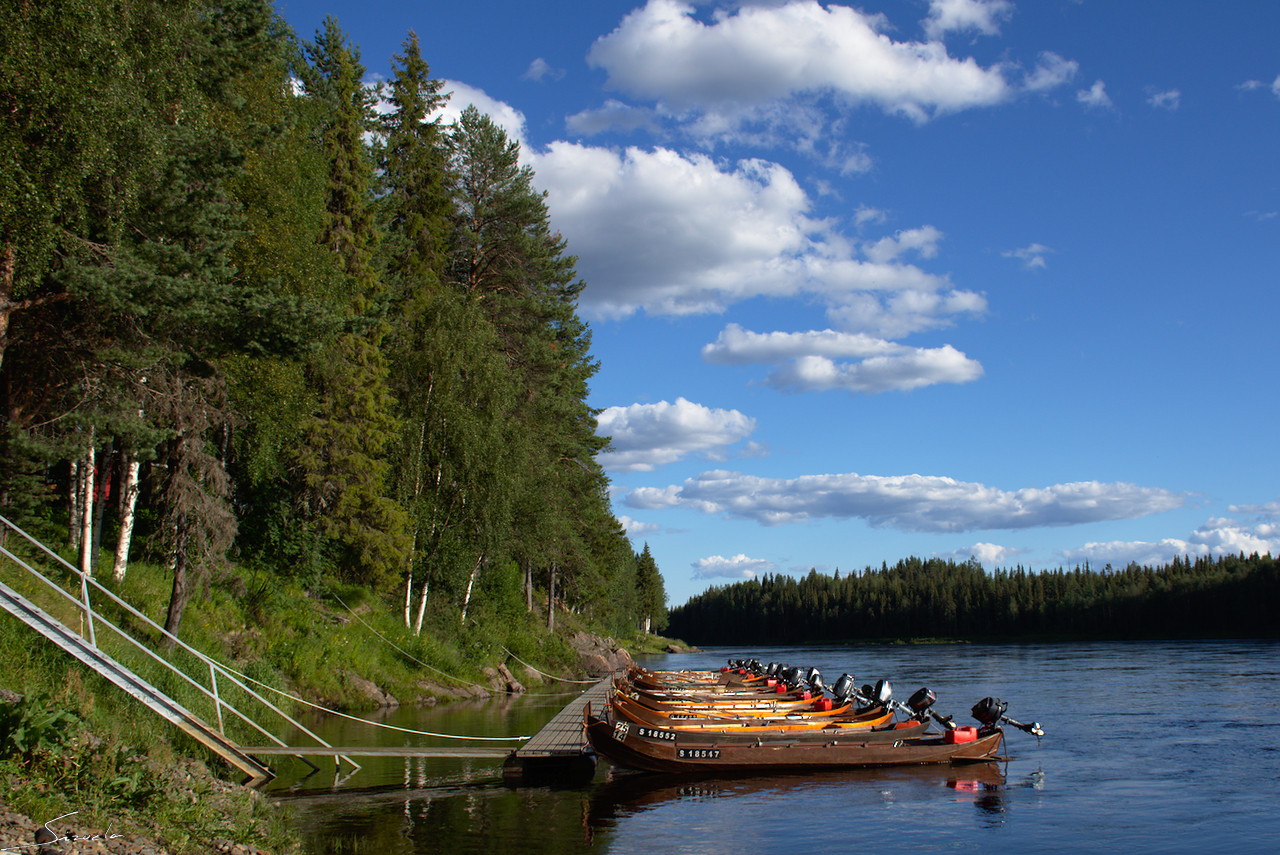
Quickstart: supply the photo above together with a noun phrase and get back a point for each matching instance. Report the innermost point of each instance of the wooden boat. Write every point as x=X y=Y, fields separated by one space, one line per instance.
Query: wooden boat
x=667 y=750
x=766 y=704
x=693 y=717
x=764 y=728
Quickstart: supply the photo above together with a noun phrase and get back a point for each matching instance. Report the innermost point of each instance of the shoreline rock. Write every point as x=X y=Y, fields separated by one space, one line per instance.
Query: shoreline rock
x=600 y=656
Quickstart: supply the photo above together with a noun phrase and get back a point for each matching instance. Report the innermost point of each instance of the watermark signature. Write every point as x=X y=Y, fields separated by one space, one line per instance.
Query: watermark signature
x=46 y=836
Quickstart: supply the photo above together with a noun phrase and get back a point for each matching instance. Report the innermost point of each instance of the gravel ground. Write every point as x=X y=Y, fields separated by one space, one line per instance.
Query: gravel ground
x=17 y=835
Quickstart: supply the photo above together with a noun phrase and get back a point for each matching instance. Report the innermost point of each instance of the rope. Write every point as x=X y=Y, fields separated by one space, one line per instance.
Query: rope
x=402 y=650
x=372 y=723
x=544 y=673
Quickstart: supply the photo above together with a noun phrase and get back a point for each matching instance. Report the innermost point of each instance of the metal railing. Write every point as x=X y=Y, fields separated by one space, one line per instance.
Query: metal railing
x=95 y=620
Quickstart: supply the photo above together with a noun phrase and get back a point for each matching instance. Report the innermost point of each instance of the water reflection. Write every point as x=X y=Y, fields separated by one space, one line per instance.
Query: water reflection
x=624 y=794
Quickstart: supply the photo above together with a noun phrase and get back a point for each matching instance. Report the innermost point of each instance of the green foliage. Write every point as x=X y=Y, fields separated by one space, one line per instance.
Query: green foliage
x=34 y=727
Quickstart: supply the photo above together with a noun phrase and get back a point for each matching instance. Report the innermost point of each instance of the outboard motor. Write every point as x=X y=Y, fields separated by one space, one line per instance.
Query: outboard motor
x=989 y=711
x=920 y=702
x=772 y=669
x=882 y=693
x=815 y=681
x=845 y=688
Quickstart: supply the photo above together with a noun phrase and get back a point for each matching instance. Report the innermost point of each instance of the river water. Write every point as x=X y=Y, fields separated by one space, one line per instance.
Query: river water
x=1149 y=747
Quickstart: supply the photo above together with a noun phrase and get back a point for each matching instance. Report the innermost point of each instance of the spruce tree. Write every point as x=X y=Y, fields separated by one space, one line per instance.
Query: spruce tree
x=346 y=438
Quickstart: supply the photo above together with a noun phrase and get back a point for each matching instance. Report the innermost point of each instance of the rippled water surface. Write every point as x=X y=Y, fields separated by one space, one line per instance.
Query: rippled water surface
x=1150 y=748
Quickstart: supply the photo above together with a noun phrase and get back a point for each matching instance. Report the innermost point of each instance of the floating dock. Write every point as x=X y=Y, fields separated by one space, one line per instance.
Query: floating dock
x=558 y=753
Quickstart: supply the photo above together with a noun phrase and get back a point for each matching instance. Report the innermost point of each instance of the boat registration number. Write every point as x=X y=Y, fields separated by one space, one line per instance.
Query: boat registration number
x=698 y=753
x=650 y=733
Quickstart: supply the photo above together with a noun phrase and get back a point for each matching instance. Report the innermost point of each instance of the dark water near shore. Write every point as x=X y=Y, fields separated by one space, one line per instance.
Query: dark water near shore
x=1150 y=747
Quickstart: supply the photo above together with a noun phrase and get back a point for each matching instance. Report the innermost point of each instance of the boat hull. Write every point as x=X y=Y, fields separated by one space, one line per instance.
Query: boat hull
x=663 y=750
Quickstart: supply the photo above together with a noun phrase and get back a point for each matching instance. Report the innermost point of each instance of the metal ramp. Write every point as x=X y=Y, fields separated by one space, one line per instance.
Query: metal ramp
x=83 y=645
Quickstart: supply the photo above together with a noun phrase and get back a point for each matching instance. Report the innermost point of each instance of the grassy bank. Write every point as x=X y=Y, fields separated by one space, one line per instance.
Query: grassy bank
x=74 y=742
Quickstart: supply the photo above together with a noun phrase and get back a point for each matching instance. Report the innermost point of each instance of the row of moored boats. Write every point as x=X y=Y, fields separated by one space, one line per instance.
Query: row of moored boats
x=749 y=717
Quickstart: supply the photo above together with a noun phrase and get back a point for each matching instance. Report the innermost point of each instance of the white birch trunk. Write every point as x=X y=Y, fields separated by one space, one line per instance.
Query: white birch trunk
x=86 y=515
x=74 y=491
x=422 y=608
x=466 y=599
x=128 y=504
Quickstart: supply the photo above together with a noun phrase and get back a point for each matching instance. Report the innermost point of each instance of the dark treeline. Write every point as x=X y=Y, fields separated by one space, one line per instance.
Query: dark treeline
x=245 y=314
x=918 y=598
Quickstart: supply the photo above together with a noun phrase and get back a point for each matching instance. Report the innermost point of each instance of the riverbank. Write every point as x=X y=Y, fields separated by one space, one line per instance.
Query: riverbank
x=71 y=742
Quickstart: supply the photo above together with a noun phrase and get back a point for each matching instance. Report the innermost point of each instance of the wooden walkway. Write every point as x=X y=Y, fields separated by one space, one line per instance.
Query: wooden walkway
x=563 y=735
x=558 y=754
x=557 y=750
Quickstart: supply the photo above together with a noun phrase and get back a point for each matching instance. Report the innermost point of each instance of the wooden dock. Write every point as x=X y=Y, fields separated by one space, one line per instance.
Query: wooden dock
x=555 y=753
x=558 y=753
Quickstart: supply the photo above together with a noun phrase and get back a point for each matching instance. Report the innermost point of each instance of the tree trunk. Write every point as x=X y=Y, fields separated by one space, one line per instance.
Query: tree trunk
x=101 y=495
x=422 y=607
x=466 y=599
x=128 y=503
x=181 y=587
x=86 y=513
x=551 y=600
x=75 y=489
x=528 y=585
x=417 y=494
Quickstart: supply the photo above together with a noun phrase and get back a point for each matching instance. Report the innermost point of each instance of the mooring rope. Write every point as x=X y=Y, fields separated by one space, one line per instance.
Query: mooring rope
x=366 y=721
x=402 y=650
x=544 y=673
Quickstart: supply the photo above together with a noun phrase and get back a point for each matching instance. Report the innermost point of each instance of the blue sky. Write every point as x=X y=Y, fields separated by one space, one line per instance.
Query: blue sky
x=935 y=277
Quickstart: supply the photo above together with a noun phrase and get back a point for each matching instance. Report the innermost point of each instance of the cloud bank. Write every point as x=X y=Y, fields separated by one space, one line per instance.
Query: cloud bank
x=905 y=502
x=737 y=567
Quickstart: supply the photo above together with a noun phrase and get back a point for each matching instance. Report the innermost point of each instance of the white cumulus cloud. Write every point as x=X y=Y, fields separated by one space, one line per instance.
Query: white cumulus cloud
x=757 y=54
x=807 y=361
x=646 y=436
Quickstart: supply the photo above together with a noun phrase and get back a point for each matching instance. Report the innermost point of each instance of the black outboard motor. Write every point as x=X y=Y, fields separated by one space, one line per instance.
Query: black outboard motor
x=845 y=688
x=772 y=669
x=989 y=711
x=920 y=702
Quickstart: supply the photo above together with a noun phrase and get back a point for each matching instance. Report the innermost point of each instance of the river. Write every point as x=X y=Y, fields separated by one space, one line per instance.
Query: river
x=1149 y=747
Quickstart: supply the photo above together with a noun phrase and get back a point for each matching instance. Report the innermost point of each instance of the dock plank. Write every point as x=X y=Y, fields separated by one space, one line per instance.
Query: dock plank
x=563 y=735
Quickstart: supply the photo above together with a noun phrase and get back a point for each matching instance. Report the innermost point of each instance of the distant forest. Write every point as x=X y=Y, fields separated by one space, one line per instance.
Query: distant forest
x=1231 y=596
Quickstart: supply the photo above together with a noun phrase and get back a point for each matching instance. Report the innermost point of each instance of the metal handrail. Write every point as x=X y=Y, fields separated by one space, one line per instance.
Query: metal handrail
x=215 y=667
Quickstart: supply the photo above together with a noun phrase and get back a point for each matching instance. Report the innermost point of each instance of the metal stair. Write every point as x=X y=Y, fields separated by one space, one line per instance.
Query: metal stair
x=85 y=648
x=155 y=700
